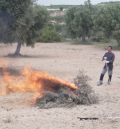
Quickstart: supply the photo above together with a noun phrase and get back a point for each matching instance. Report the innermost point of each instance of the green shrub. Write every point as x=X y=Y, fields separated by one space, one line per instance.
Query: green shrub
x=100 y=37
x=49 y=34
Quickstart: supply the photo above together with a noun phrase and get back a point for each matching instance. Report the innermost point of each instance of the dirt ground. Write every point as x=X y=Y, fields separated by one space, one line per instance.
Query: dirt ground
x=63 y=60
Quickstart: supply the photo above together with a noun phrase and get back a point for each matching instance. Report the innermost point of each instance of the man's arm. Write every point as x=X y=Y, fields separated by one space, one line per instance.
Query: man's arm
x=103 y=58
x=113 y=58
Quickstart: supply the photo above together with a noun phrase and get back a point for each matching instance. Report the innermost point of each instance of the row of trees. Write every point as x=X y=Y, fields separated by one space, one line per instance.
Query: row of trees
x=93 y=21
x=24 y=22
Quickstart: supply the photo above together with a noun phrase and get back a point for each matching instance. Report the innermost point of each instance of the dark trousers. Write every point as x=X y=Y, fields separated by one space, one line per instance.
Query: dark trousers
x=109 y=68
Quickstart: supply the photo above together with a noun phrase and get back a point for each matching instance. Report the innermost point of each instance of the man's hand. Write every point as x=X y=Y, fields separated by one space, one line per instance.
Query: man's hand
x=107 y=62
x=105 y=58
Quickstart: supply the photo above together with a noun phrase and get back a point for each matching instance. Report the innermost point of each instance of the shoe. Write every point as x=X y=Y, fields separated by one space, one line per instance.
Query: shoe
x=99 y=83
x=109 y=82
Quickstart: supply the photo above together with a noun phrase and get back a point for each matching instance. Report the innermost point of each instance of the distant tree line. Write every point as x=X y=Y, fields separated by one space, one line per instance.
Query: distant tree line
x=95 y=22
x=24 y=22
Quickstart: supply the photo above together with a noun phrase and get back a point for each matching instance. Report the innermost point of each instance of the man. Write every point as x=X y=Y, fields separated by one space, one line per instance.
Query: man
x=108 y=58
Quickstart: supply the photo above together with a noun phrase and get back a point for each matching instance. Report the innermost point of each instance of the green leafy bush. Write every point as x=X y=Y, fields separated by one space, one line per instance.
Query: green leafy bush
x=49 y=34
x=100 y=37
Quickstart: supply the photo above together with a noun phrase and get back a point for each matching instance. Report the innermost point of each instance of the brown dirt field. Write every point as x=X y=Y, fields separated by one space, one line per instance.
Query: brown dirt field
x=63 y=60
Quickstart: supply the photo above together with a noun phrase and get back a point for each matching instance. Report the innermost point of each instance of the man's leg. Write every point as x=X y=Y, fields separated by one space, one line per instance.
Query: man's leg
x=102 y=75
x=110 y=71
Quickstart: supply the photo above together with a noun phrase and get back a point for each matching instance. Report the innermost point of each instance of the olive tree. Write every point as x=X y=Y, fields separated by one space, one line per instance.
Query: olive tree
x=79 y=21
x=27 y=21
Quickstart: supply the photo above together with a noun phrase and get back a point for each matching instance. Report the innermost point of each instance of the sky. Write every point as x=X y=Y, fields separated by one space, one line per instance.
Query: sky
x=69 y=2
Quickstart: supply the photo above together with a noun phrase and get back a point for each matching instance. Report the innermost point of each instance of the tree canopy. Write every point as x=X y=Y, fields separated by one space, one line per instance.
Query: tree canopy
x=79 y=21
x=88 y=20
x=25 y=21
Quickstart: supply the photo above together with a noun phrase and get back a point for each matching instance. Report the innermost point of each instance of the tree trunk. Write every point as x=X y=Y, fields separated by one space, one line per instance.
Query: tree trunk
x=119 y=45
x=118 y=41
x=17 y=51
x=83 y=38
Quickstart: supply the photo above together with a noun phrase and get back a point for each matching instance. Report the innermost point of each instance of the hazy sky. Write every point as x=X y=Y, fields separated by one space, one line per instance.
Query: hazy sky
x=70 y=2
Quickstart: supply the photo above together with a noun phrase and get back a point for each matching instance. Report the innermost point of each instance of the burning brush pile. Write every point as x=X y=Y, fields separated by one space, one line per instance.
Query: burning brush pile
x=66 y=96
x=48 y=91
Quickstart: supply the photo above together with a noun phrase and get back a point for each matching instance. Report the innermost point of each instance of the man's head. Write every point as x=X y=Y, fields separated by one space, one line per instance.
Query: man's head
x=109 y=48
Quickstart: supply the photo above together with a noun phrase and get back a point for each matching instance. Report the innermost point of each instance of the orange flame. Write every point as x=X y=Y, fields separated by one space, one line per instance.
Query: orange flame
x=31 y=81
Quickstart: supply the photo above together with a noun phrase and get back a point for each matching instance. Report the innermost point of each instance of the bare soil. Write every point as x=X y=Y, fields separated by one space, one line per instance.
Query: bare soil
x=63 y=60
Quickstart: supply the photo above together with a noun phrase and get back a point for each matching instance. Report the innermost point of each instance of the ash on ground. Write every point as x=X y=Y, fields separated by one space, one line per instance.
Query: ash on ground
x=65 y=97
